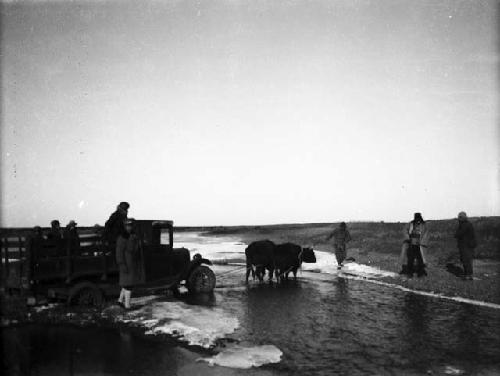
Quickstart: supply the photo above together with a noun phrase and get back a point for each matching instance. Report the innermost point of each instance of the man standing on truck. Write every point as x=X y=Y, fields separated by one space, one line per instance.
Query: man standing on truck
x=115 y=225
x=128 y=258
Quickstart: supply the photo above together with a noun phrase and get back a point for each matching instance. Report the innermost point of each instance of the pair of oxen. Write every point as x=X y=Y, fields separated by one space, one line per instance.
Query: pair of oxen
x=278 y=259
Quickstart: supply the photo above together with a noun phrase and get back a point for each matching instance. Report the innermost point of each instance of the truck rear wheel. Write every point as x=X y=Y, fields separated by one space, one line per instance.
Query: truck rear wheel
x=201 y=280
x=86 y=294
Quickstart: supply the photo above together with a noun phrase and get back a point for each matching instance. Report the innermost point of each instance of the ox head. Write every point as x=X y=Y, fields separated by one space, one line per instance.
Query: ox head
x=308 y=255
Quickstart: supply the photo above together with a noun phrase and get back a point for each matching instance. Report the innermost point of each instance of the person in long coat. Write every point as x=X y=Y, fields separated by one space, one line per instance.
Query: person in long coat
x=129 y=260
x=466 y=242
x=415 y=244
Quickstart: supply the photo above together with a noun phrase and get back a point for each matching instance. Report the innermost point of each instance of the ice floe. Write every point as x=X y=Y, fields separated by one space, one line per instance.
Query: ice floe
x=197 y=325
x=246 y=357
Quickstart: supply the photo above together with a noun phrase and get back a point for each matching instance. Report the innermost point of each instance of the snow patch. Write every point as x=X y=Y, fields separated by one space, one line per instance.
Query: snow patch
x=450 y=370
x=246 y=357
x=197 y=325
x=327 y=263
x=45 y=307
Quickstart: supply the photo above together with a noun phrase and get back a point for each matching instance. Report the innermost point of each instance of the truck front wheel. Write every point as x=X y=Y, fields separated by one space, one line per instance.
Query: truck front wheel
x=86 y=294
x=201 y=280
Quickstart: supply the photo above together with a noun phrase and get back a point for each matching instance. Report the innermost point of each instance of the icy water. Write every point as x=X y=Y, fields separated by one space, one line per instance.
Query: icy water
x=326 y=323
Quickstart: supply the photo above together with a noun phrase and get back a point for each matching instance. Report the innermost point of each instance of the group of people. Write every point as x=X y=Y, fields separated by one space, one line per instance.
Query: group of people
x=415 y=244
x=118 y=234
x=61 y=241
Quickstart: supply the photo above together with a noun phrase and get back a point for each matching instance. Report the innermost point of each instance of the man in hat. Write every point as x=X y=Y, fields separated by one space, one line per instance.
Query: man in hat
x=341 y=237
x=115 y=225
x=414 y=245
x=128 y=258
x=466 y=242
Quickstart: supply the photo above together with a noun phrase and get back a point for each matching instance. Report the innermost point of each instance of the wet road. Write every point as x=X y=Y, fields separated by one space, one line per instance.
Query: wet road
x=323 y=324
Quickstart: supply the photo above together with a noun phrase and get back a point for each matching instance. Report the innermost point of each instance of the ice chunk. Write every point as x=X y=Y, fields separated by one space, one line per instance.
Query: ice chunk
x=197 y=325
x=246 y=357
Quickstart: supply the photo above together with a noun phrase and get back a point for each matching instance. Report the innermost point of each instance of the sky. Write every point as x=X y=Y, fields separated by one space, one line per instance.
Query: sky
x=235 y=112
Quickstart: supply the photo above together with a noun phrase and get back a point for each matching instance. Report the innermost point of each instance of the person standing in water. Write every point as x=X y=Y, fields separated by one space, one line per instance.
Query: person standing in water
x=341 y=237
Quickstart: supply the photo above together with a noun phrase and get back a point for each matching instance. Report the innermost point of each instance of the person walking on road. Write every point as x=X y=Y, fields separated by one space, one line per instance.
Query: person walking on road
x=341 y=236
x=417 y=240
x=466 y=242
x=128 y=258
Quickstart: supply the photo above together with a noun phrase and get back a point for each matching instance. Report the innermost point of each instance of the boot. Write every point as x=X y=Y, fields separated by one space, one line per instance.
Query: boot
x=127 y=293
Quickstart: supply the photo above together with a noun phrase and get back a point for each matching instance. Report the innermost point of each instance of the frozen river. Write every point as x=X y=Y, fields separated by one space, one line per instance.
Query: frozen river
x=325 y=323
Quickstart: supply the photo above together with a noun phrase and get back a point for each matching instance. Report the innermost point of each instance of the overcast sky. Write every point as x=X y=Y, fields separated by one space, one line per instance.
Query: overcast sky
x=249 y=112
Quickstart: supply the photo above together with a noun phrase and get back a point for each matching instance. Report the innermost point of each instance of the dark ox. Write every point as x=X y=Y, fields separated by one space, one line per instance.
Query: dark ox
x=282 y=259
x=259 y=257
x=289 y=257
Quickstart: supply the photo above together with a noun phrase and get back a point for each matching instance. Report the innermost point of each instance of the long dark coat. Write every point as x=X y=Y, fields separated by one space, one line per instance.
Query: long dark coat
x=465 y=235
x=129 y=260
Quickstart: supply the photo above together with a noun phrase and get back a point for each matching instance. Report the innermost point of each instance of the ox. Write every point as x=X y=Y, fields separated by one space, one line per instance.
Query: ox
x=288 y=258
x=259 y=257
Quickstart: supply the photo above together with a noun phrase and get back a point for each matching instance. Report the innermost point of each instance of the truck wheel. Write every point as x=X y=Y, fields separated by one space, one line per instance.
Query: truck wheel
x=201 y=279
x=86 y=294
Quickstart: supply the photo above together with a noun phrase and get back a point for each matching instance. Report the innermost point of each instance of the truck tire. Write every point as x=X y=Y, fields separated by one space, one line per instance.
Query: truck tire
x=201 y=280
x=86 y=294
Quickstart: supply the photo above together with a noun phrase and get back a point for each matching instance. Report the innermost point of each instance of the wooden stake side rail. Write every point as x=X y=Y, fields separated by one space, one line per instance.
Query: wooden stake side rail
x=25 y=262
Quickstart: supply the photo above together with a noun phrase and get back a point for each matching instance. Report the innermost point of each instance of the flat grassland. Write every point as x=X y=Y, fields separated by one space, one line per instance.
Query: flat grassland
x=378 y=244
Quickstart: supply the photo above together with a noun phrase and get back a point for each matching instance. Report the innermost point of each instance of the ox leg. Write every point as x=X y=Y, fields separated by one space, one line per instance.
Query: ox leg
x=271 y=272
x=294 y=271
x=249 y=268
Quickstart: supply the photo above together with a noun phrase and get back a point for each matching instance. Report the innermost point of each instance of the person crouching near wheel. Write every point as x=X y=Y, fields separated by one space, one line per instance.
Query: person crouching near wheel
x=128 y=254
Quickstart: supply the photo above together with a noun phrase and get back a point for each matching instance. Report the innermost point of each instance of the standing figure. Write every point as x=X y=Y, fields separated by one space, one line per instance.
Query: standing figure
x=128 y=258
x=341 y=236
x=72 y=244
x=417 y=239
x=115 y=225
x=55 y=238
x=34 y=250
x=466 y=242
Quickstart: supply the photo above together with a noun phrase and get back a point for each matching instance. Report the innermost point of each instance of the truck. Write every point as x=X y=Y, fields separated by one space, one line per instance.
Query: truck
x=39 y=269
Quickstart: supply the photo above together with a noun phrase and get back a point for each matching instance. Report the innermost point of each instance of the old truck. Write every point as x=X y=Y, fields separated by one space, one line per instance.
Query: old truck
x=87 y=274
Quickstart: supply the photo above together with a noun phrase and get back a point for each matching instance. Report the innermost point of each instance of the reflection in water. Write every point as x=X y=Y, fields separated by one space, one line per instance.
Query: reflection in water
x=67 y=350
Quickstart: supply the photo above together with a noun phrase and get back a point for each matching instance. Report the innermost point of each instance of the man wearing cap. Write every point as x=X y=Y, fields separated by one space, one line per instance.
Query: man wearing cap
x=466 y=242
x=414 y=245
x=341 y=236
x=114 y=226
x=128 y=258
